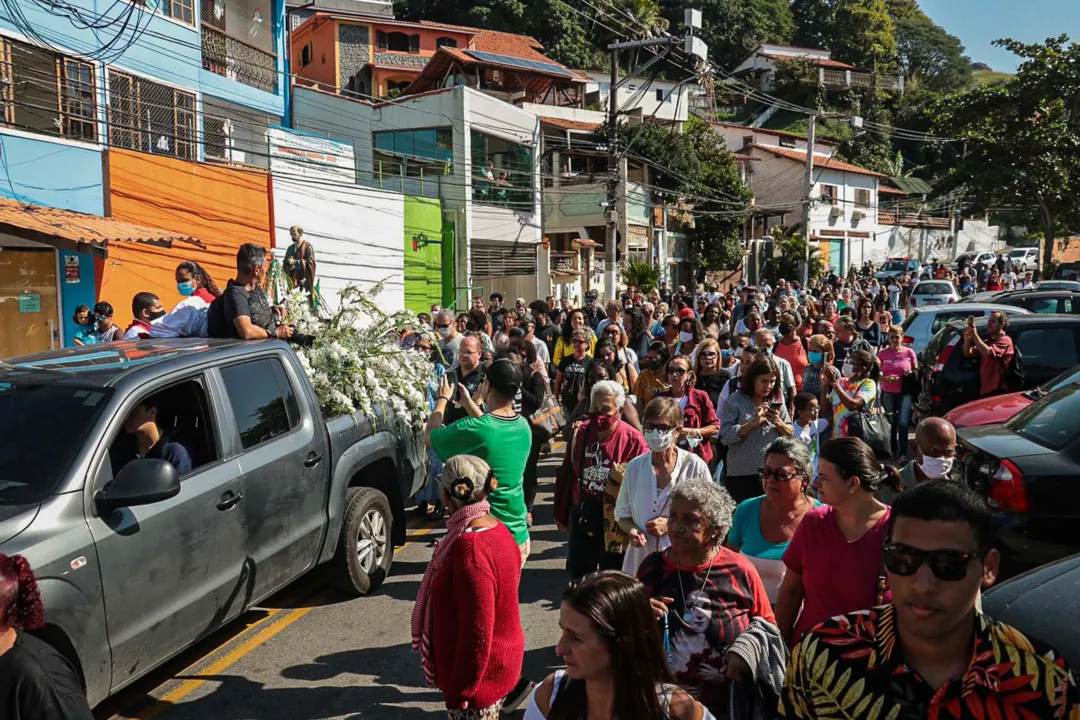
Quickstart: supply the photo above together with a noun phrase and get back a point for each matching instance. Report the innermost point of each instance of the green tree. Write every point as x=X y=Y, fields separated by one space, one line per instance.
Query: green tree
x=1021 y=139
x=864 y=35
x=813 y=22
x=905 y=10
x=930 y=57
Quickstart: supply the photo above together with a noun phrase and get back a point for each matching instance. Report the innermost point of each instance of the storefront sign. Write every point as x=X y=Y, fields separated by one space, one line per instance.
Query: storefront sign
x=30 y=303
x=72 y=272
x=297 y=155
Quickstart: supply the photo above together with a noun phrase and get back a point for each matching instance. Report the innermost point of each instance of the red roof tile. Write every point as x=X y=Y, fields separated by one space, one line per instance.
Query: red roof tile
x=573 y=125
x=777 y=133
x=886 y=190
x=521 y=46
x=819 y=161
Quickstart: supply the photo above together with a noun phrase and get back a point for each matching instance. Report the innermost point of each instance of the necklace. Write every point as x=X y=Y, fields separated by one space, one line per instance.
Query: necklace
x=688 y=612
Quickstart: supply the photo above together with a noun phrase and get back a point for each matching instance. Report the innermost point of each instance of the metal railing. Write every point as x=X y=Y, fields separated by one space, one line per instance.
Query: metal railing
x=564 y=260
x=855 y=78
x=225 y=55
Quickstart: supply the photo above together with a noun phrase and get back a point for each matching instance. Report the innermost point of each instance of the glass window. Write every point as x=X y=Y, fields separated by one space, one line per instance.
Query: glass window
x=258 y=400
x=1051 y=420
x=943 y=319
x=1047 y=347
x=502 y=172
x=68 y=413
x=1045 y=306
x=446 y=42
x=933 y=288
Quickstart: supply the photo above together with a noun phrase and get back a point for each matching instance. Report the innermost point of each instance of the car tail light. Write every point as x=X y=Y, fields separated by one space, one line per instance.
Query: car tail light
x=946 y=353
x=911 y=301
x=952 y=299
x=1008 y=491
x=908 y=340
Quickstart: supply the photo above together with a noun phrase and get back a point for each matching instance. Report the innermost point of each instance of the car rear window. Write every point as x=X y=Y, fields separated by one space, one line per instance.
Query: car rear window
x=1047 y=306
x=1069 y=377
x=942 y=319
x=1047 y=347
x=909 y=320
x=933 y=288
x=939 y=341
x=1051 y=421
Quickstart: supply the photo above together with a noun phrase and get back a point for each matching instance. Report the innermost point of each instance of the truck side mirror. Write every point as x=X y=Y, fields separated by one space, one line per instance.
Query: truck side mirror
x=143 y=481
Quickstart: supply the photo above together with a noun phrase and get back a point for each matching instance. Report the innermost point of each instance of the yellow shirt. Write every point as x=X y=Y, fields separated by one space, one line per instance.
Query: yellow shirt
x=566 y=349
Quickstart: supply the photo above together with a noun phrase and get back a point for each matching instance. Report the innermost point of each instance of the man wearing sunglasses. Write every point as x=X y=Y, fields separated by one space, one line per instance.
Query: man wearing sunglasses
x=929 y=653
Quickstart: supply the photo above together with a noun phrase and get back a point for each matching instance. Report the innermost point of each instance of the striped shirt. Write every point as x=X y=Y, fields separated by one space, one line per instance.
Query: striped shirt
x=745 y=455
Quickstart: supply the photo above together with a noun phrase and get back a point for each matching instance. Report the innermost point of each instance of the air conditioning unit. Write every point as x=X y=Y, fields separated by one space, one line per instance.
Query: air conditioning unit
x=858 y=215
x=836 y=211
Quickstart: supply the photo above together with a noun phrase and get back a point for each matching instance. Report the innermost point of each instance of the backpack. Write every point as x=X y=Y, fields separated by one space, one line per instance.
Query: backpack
x=1014 y=372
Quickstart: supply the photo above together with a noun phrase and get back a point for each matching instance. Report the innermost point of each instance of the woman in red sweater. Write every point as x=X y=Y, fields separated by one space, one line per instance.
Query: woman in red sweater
x=466 y=624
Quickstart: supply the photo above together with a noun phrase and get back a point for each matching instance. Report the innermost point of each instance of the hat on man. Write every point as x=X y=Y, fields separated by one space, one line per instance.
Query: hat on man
x=504 y=376
x=686 y=313
x=526 y=318
x=592 y=295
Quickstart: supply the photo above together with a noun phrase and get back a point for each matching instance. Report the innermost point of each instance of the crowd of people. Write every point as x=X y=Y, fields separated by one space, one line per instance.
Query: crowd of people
x=735 y=548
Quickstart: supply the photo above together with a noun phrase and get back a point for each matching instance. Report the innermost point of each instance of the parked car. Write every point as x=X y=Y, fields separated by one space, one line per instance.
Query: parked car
x=933 y=292
x=895 y=267
x=136 y=561
x=921 y=324
x=1067 y=271
x=1049 y=345
x=1024 y=259
x=1027 y=468
x=1049 y=302
x=1040 y=604
x=999 y=408
x=973 y=259
x=1071 y=285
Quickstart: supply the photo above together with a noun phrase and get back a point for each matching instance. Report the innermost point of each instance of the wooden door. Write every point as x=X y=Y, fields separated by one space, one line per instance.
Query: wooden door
x=28 y=302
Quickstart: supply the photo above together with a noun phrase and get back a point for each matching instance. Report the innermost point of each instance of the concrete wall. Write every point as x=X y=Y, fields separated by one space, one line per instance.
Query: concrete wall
x=357 y=234
x=929 y=243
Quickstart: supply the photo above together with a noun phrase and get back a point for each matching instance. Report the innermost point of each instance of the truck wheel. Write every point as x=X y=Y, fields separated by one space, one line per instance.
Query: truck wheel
x=365 y=550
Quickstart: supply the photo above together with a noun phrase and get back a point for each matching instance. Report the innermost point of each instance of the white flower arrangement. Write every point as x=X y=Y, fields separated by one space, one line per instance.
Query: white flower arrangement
x=357 y=361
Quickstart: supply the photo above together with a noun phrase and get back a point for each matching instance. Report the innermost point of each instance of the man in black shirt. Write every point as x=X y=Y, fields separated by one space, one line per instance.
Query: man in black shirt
x=593 y=313
x=469 y=374
x=497 y=311
x=242 y=311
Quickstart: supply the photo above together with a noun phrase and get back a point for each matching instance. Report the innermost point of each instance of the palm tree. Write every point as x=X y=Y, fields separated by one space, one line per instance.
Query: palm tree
x=641 y=274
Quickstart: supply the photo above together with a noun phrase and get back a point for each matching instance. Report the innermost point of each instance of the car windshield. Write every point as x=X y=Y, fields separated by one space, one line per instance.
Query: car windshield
x=895 y=265
x=42 y=427
x=1050 y=422
x=933 y=288
x=1069 y=377
x=1018 y=253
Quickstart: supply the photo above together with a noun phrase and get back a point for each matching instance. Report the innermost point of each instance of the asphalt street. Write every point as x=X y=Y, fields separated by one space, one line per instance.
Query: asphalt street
x=311 y=653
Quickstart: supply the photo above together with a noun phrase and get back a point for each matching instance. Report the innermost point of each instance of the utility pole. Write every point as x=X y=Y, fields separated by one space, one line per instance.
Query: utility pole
x=810 y=133
x=610 y=212
x=692 y=46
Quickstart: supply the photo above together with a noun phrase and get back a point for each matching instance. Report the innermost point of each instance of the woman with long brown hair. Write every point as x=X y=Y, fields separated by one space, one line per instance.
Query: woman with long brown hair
x=615 y=665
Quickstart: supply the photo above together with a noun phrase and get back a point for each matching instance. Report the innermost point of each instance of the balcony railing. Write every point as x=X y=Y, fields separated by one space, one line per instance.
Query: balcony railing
x=854 y=78
x=564 y=261
x=225 y=55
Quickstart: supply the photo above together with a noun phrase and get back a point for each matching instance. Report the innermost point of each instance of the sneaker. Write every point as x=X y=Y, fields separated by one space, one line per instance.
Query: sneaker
x=518 y=696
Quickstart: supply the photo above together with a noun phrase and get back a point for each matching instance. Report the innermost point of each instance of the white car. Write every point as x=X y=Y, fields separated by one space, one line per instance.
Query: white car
x=922 y=324
x=933 y=292
x=974 y=258
x=1024 y=259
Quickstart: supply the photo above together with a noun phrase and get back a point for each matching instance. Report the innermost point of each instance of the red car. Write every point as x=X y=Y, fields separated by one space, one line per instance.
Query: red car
x=999 y=408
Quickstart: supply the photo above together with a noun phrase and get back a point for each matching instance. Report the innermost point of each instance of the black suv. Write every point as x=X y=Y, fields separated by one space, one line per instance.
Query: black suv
x=1040 y=302
x=1049 y=345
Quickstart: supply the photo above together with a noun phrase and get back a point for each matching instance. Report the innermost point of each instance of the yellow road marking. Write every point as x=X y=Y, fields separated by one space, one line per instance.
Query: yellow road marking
x=285 y=618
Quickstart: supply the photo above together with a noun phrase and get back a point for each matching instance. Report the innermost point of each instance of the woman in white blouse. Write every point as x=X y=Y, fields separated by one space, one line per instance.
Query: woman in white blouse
x=642 y=507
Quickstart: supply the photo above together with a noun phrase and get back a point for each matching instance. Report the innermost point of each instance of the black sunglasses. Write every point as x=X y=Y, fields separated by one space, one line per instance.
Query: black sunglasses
x=947 y=565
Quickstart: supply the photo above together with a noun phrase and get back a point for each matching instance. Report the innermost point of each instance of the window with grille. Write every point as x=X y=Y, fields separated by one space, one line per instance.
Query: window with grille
x=182 y=10
x=151 y=117
x=43 y=92
x=491 y=258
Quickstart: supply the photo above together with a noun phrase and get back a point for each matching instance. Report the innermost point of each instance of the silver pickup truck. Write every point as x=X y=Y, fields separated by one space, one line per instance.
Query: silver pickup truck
x=141 y=553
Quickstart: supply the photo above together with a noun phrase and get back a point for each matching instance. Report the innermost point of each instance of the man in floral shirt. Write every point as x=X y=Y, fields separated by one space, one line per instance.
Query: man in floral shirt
x=930 y=653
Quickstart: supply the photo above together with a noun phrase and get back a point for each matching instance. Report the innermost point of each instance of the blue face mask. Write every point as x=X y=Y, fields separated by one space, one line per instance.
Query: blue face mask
x=815 y=358
x=185 y=288
x=726 y=354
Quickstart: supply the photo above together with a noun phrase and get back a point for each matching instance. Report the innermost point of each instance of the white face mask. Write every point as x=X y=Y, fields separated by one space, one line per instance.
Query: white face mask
x=935 y=468
x=659 y=440
x=686 y=336
x=444 y=332
x=847 y=370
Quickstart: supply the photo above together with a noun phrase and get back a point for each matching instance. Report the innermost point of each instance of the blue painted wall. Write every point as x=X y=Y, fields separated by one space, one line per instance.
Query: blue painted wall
x=166 y=50
x=58 y=175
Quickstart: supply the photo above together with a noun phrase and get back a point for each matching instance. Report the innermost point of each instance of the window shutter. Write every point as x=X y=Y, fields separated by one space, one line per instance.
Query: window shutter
x=380 y=40
x=414 y=44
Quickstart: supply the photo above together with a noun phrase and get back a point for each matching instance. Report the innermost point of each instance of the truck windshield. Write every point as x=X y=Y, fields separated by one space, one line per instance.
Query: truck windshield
x=43 y=426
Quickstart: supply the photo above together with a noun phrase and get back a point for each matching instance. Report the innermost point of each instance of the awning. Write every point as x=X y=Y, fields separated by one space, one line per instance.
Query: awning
x=79 y=232
x=584 y=243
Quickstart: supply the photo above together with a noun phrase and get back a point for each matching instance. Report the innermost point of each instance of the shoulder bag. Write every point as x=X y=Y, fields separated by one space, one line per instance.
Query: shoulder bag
x=872 y=426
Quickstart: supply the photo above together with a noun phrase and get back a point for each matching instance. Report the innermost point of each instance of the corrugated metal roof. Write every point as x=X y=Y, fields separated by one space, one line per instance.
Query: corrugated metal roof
x=912 y=185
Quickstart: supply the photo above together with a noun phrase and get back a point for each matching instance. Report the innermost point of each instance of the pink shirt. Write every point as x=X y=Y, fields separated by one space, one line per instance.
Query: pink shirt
x=839 y=576
x=896 y=362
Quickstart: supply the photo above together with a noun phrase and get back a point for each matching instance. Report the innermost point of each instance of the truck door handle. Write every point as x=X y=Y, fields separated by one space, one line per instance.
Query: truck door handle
x=229 y=500
x=313 y=459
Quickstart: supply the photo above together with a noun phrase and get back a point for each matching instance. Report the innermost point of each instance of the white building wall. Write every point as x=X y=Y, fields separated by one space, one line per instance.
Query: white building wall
x=358 y=235
x=673 y=108
x=735 y=137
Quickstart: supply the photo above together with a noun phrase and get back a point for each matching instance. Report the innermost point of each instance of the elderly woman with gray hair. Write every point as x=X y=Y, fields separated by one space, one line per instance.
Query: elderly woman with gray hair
x=465 y=624
x=597 y=455
x=704 y=594
x=764 y=525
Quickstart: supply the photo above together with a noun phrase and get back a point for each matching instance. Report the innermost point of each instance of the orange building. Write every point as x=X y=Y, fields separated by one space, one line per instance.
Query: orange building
x=368 y=55
x=223 y=207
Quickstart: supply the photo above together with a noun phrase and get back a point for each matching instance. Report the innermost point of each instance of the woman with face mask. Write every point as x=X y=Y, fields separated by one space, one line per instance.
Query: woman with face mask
x=188 y=318
x=645 y=493
x=699 y=421
x=849 y=390
x=690 y=335
x=792 y=347
x=709 y=374
x=819 y=355
x=599 y=450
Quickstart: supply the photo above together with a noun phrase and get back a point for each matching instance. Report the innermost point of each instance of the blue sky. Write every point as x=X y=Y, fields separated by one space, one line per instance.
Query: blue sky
x=979 y=22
